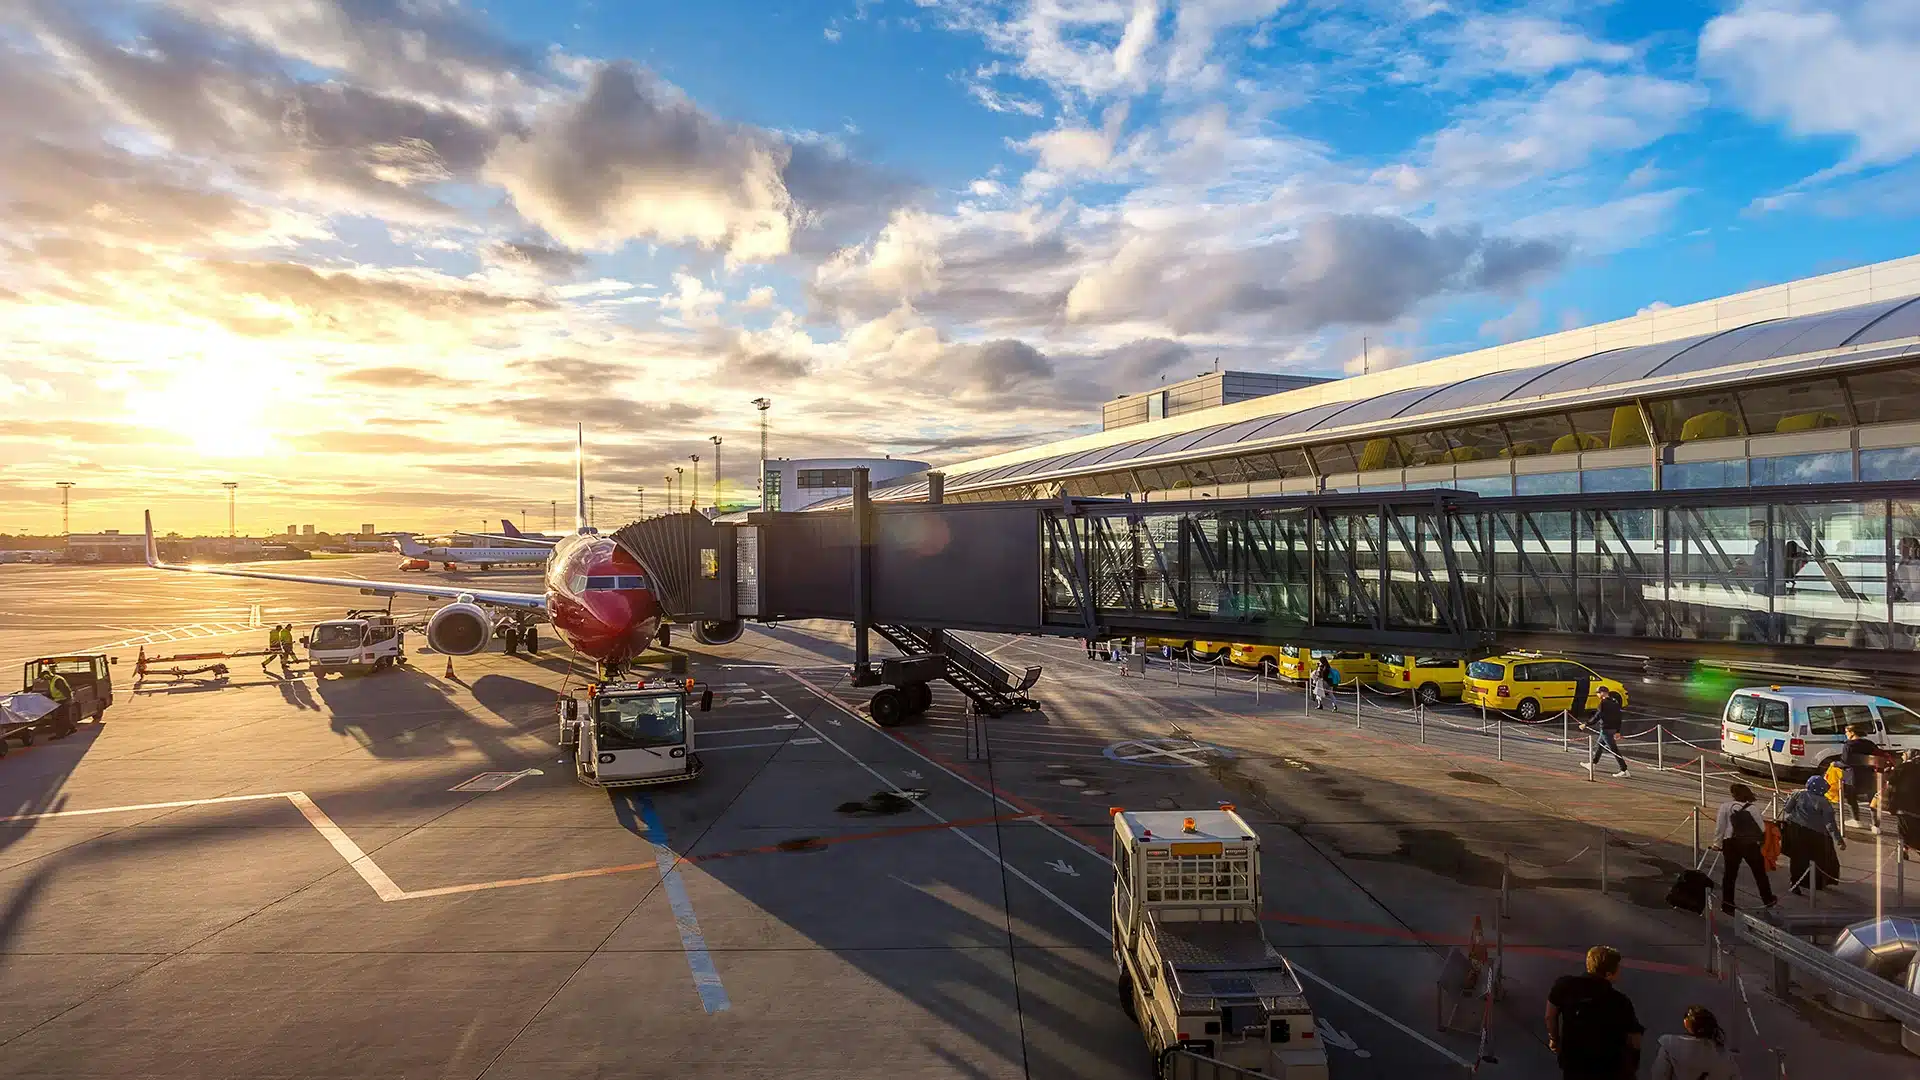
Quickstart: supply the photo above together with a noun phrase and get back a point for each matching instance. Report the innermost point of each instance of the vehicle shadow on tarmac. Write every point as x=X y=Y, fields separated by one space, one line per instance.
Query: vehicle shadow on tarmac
x=33 y=778
x=407 y=713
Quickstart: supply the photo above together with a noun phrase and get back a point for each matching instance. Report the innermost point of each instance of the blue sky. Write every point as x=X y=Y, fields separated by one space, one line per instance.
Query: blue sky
x=420 y=238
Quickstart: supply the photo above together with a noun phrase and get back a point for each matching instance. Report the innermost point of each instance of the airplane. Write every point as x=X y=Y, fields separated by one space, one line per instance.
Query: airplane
x=598 y=598
x=511 y=537
x=486 y=558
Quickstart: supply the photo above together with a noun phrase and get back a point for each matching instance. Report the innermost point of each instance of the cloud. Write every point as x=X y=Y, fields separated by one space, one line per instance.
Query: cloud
x=1841 y=68
x=1068 y=149
x=1526 y=45
x=545 y=259
x=995 y=367
x=759 y=298
x=633 y=159
x=603 y=410
x=1362 y=269
x=1513 y=139
x=397 y=378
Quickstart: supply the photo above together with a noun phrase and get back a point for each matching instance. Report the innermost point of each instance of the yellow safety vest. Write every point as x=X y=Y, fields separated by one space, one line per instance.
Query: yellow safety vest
x=57 y=687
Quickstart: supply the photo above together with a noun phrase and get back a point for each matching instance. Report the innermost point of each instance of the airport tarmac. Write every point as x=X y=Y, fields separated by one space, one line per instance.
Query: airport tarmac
x=274 y=877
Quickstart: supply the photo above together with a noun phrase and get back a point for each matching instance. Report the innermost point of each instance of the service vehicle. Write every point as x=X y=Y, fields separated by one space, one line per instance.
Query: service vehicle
x=632 y=733
x=363 y=641
x=1432 y=679
x=89 y=679
x=1794 y=730
x=1531 y=685
x=1196 y=970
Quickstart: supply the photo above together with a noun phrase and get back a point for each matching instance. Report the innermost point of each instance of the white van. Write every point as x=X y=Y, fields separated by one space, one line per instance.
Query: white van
x=1801 y=729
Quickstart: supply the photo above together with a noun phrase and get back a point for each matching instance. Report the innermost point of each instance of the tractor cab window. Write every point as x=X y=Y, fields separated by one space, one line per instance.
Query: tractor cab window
x=632 y=723
x=336 y=636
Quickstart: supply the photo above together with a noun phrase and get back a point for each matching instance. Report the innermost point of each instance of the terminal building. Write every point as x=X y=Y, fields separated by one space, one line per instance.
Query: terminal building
x=798 y=483
x=1814 y=381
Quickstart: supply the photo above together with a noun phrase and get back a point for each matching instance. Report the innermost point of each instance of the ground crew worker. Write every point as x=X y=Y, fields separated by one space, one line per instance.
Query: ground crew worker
x=62 y=696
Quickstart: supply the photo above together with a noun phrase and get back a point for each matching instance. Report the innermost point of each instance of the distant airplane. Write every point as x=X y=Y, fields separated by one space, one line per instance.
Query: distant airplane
x=511 y=536
x=598 y=598
x=421 y=557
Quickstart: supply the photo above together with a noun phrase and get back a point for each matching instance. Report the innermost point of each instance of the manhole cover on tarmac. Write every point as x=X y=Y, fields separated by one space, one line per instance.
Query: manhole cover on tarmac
x=1171 y=753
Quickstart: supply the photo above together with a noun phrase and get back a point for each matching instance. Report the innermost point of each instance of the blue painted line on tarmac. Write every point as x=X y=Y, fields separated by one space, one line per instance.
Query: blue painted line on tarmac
x=706 y=977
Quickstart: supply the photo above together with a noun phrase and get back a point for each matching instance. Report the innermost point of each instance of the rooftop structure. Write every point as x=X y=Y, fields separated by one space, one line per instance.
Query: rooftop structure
x=1206 y=391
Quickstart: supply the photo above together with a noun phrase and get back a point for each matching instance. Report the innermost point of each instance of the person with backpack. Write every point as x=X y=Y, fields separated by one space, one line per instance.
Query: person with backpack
x=1700 y=1053
x=1738 y=834
x=1320 y=683
x=1591 y=1026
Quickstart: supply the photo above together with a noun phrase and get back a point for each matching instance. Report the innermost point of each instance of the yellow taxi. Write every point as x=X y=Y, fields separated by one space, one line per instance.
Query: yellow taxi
x=1432 y=679
x=1530 y=685
x=1265 y=657
x=1296 y=662
x=1204 y=651
x=1198 y=650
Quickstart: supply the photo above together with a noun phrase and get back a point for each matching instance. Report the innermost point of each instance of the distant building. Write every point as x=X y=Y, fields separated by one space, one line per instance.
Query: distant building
x=110 y=546
x=306 y=530
x=291 y=530
x=797 y=483
x=1206 y=391
x=366 y=529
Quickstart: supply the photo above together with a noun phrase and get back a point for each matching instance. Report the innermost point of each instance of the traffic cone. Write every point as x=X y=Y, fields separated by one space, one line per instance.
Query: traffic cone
x=449 y=673
x=1477 y=944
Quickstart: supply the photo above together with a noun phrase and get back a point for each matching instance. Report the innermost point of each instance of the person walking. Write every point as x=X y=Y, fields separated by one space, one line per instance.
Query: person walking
x=1906 y=573
x=1738 y=834
x=1903 y=798
x=1591 y=1026
x=1607 y=724
x=1860 y=758
x=1810 y=829
x=1699 y=1052
x=1320 y=683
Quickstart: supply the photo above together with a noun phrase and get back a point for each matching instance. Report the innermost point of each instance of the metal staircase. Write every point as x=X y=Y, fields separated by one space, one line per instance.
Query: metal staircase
x=994 y=687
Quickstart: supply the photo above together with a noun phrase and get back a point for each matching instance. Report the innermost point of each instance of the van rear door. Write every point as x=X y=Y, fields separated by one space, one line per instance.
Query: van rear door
x=1755 y=726
x=1899 y=726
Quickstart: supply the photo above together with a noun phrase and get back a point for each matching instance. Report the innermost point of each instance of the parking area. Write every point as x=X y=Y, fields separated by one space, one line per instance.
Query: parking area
x=284 y=877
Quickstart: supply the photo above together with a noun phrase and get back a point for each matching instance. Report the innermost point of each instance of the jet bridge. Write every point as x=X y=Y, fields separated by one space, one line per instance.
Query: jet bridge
x=1804 y=575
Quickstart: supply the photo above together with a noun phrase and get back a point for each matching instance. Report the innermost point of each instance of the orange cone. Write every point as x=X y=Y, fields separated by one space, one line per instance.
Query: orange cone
x=1477 y=944
x=449 y=667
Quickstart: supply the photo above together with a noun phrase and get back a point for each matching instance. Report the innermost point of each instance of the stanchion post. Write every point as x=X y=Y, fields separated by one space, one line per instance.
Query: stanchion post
x=1216 y=680
x=1734 y=1010
x=1713 y=955
x=1703 y=779
x=1603 y=862
x=1659 y=748
x=1500 y=743
x=1592 y=773
x=1694 y=814
x=1506 y=889
x=1565 y=717
x=1423 y=723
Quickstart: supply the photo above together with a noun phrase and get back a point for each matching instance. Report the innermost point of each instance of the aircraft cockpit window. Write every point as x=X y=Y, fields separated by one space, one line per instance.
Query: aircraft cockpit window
x=598 y=582
x=634 y=581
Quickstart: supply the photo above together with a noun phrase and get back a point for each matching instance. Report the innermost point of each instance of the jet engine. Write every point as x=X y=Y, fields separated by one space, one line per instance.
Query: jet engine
x=460 y=629
x=715 y=632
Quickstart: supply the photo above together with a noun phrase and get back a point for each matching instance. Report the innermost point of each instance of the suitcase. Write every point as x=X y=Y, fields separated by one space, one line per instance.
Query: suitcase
x=1689 y=892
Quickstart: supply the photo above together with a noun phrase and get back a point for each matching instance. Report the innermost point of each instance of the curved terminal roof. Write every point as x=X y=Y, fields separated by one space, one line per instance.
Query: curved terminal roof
x=1770 y=348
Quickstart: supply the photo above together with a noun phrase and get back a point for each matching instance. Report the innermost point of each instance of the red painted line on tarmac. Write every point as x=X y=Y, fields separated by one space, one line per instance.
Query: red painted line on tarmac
x=1403 y=934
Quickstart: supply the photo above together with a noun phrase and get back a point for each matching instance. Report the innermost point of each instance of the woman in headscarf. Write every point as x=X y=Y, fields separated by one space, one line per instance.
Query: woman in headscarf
x=1810 y=829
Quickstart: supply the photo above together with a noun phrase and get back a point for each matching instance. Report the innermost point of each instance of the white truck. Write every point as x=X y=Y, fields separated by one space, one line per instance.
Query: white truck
x=363 y=641
x=1196 y=970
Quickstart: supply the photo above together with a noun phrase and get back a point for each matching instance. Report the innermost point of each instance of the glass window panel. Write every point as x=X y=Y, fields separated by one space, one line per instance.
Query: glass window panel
x=1559 y=483
x=1630 y=478
x=1898 y=463
x=1704 y=474
x=1718 y=559
x=1494 y=486
x=1806 y=406
x=1834 y=468
x=1549 y=434
x=1532 y=581
x=1829 y=574
x=1883 y=396
x=1906 y=575
x=1713 y=415
x=1621 y=574
x=1610 y=429
x=1334 y=458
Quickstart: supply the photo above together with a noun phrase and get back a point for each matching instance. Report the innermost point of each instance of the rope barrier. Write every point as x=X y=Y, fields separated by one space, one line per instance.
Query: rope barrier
x=1550 y=866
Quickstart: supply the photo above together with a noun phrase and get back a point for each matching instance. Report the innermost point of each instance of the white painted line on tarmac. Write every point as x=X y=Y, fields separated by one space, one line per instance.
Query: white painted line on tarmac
x=358 y=860
x=843 y=707
x=134 y=807
x=743 y=730
x=1395 y=1024
x=741 y=746
x=975 y=844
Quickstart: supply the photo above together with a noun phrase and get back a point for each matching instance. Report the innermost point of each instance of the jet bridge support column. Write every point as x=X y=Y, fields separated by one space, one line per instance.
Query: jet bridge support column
x=863 y=674
x=936 y=495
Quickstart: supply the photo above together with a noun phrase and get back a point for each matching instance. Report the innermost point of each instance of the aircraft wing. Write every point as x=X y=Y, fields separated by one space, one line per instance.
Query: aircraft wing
x=370 y=588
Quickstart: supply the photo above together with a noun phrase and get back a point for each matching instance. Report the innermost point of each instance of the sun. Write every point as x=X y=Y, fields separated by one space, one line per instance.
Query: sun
x=219 y=405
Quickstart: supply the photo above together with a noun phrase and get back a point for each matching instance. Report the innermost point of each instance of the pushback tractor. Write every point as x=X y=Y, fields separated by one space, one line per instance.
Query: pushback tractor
x=1196 y=970
x=633 y=733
